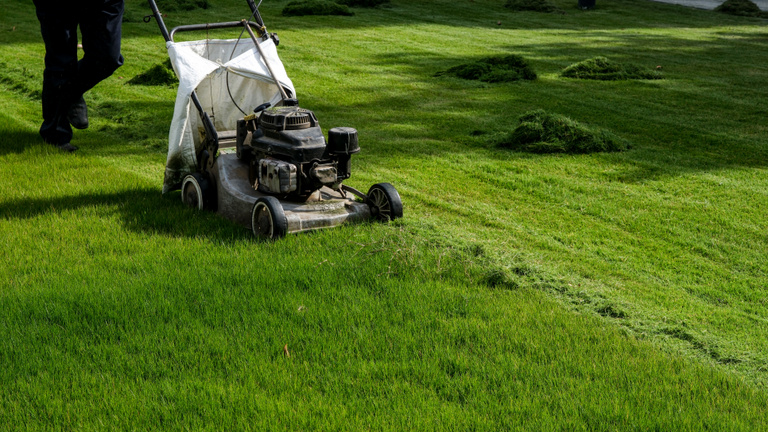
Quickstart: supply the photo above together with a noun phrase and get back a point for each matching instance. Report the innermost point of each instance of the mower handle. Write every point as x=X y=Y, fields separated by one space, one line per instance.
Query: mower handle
x=212 y=26
x=255 y=12
x=259 y=24
x=159 y=19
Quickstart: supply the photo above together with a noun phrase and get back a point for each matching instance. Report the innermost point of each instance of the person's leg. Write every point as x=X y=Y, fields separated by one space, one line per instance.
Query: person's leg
x=100 y=24
x=59 y=30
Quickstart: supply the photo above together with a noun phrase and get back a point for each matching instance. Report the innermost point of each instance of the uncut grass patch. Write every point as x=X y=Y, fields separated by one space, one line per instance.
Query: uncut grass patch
x=542 y=132
x=507 y=68
x=601 y=68
x=316 y=7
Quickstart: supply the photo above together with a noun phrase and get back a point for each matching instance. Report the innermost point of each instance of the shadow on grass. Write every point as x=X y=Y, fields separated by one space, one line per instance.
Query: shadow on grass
x=492 y=15
x=16 y=141
x=19 y=25
x=118 y=127
x=142 y=210
x=705 y=116
x=677 y=126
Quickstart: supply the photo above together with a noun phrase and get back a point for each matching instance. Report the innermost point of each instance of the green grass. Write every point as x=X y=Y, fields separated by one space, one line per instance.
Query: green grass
x=316 y=7
x=182 y=5
x=363 y=3
x=531 y=6
x=614 y=291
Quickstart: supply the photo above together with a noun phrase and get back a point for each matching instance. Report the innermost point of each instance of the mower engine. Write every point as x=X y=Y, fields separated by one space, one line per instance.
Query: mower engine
x=287 y=153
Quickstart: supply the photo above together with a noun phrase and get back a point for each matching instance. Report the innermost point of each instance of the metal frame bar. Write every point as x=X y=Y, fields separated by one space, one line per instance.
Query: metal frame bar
x=214 y=26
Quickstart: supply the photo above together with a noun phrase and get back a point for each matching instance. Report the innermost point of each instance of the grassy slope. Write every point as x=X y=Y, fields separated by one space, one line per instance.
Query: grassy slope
x=124 y=308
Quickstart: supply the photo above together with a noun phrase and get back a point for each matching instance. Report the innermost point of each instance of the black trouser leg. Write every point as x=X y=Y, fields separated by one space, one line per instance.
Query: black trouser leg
x=101 y=29
x=59 y=29
x=65 y=78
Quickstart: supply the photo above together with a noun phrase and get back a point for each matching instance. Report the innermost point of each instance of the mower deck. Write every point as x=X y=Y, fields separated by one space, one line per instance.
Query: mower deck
x=324 y=209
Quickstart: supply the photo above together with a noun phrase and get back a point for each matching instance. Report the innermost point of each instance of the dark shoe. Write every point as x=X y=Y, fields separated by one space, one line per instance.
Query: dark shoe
x=78 y=114
x=66 y=148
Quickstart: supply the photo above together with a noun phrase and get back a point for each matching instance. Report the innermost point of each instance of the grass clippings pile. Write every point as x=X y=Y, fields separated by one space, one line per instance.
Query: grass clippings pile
x=158 y=75
x=182 y=5
x=316 y=7
x=541 y=132
x=494 y=70
x=532 y=6
x=745 y=8
x=600 y=68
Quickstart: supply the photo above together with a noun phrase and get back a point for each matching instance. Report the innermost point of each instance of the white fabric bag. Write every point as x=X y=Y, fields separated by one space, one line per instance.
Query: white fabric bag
x=209 y=68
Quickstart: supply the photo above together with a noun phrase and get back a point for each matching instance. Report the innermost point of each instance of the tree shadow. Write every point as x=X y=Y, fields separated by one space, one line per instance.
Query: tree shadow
x=705 y=116
x=168 y=216
x=117 y=127
x=125 y=125
x=673 y=118
x=19 y=25
x=18 y=140
x=491 y=14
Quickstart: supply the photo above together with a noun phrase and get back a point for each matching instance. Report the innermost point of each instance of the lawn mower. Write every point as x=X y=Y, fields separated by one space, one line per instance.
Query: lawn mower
x=252 y=154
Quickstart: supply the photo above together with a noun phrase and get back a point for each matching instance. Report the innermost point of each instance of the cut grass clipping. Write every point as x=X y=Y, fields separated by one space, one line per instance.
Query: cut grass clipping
x=600 y=68
x=158 y=75
x=494 y=69
x=316 y=7
x=540 y=132
x=745 y=8
x=531 y=6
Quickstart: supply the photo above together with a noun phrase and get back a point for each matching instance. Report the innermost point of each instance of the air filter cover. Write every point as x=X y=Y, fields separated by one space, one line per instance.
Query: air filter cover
x=343 y=141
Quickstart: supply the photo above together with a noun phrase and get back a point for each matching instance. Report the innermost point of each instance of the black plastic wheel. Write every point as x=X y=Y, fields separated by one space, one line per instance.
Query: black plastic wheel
x=196 y=192
x=268 y=218
x=385 y=202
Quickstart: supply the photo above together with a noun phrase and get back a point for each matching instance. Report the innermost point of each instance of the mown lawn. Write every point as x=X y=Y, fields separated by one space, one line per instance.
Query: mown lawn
x=621 y=291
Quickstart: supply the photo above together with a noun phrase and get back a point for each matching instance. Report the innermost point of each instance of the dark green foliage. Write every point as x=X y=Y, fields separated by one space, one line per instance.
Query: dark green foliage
x=494 y=69
x=540 y=132
x=315 y=7
x=531 y=5
x=600 y=68
x=741 y=8
x=362 y=3
x=159 y=74
x=182 y=5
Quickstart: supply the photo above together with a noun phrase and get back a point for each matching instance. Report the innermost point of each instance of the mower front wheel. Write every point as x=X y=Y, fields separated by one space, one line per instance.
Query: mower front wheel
x=196 y=192
x=385 y=202
x=268 y=219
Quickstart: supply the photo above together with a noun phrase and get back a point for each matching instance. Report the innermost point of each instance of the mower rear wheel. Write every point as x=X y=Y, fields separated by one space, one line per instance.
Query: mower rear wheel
x=196 y=191
x=268 y=218
x=385 y=202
